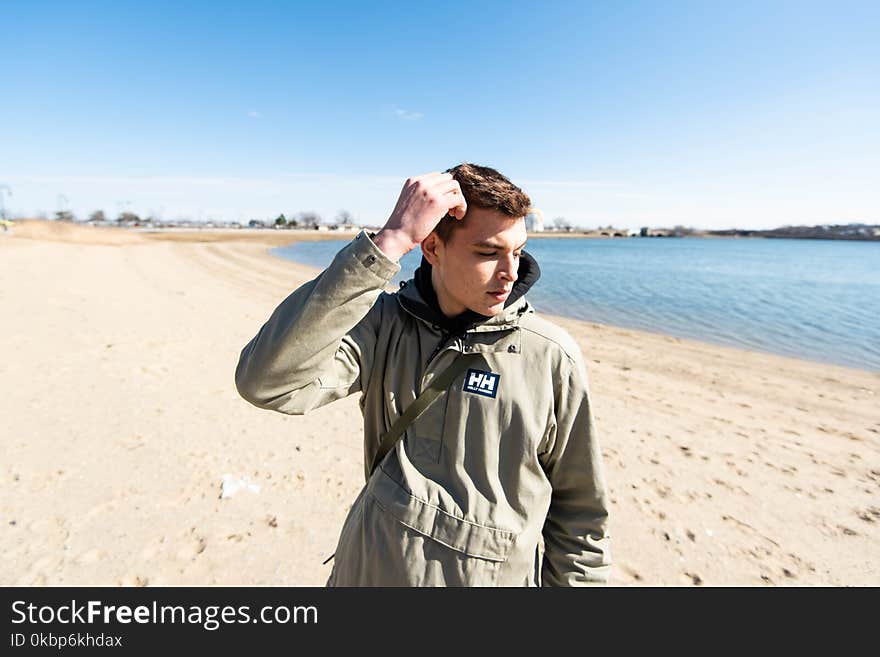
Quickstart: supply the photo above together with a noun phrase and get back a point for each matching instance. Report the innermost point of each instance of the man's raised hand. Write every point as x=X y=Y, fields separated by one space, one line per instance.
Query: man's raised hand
x=423 y=202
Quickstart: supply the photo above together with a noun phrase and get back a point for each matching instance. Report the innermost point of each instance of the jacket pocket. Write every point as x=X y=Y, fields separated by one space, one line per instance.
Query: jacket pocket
x=468 y=538
x=395 y=539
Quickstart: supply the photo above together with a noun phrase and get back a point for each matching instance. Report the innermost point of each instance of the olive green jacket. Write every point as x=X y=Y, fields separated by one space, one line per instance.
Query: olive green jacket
x=507 y=455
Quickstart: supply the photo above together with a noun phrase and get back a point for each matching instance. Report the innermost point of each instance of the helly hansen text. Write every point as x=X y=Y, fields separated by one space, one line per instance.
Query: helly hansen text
x=482 y=383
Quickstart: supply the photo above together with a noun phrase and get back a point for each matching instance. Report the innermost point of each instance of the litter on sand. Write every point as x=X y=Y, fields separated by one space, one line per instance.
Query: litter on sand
x=231 y=485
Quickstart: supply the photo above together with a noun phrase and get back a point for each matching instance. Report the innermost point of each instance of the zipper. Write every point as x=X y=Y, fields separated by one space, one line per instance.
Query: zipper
x=447 y=338
x=444 y=338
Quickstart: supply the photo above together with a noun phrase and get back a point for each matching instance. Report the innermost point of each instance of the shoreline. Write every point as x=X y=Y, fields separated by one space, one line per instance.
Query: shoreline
x=50 y=230
x=725 y=467
x=554 y=316
x=299 y=234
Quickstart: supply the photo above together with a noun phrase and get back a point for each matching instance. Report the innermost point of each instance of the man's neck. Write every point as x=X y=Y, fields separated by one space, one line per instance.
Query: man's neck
x=448 y=307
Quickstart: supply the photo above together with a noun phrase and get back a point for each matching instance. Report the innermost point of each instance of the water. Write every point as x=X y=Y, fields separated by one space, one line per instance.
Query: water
x=812 y=299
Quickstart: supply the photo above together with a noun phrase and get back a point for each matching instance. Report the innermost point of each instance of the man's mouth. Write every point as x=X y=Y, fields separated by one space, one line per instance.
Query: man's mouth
x=499 y=295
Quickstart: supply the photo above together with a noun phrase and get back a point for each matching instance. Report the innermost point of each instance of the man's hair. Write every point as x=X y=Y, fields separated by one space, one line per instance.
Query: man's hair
x=484 y=187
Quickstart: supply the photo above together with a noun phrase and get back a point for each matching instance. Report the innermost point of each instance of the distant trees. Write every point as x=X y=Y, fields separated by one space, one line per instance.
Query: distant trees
x=97 y=215
x=283 y=222
x=4 y=189
x=309 y=219
x=128 y=217
x=561 y=223
x=305 y=219
x=64 y=215
x=344 y=217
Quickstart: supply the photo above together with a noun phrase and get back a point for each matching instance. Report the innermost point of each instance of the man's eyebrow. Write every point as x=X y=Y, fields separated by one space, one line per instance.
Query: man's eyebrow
x=492 y=245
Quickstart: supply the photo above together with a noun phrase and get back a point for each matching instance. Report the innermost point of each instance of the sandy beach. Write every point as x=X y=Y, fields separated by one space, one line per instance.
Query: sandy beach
x=120 y=420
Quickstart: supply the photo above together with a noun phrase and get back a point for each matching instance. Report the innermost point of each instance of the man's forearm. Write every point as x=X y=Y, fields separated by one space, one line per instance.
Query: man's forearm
x=300 y=340
x=577 y=544
x=577 y=550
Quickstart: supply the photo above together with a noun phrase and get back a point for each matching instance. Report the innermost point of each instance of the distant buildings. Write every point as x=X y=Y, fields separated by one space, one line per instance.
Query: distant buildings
x=535 y=221
x=860 y=232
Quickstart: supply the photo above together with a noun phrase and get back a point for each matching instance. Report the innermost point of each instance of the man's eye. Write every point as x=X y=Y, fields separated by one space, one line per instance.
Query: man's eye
x=488 y=255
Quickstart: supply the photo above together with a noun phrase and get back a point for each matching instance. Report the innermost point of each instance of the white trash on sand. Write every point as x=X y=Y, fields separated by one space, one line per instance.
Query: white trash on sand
x=231 y=485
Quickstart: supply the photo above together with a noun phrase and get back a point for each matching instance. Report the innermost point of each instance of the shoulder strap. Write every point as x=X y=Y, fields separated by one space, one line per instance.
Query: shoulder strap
x=429 y=395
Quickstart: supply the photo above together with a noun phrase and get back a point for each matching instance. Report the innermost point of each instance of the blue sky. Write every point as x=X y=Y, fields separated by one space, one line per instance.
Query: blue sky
x=711 y=114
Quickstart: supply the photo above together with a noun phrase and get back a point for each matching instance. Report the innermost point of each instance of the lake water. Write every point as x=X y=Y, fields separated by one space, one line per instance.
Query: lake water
x=813 y=299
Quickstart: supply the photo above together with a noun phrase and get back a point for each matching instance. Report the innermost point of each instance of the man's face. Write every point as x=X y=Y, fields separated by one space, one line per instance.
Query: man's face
x=477 y=267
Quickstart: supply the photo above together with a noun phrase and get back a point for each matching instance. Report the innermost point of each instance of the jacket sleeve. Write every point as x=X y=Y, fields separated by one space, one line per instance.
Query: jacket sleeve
x=318 y=344
x=576 y=540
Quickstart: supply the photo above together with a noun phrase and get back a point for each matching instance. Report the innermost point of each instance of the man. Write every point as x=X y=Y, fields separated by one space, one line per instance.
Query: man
x=505 y=454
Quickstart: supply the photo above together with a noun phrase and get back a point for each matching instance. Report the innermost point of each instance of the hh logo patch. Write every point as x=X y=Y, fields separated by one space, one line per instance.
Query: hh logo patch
x=481 y=383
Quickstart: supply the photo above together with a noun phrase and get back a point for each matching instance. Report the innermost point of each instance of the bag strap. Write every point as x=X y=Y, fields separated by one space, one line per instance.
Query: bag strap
x=429 y=395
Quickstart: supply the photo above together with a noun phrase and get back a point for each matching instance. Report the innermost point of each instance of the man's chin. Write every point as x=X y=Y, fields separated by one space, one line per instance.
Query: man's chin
x=491 y=311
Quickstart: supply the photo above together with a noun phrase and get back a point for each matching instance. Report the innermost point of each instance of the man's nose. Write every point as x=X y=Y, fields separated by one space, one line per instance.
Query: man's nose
x=508 y=270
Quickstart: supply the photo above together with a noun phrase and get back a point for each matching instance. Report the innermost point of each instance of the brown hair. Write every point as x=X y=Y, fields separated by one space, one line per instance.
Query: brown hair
x=484 y=187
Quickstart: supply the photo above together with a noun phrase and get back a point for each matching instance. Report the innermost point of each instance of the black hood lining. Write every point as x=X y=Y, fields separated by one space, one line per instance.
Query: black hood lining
x=527 y=274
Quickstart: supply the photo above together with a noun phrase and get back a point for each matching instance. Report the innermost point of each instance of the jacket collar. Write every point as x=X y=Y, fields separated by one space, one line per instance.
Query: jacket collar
x=417 y=296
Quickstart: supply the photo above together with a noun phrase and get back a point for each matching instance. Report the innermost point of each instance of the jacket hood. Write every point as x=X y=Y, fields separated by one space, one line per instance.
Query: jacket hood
x=418 y=297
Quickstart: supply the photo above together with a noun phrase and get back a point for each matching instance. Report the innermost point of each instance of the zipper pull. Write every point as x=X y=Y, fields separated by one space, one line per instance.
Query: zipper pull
x=443 y=338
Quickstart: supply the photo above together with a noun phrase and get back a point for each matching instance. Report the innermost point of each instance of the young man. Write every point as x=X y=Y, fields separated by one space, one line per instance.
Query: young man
x=504 y=455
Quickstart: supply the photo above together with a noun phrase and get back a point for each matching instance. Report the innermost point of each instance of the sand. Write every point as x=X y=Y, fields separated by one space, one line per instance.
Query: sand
x=120 y=420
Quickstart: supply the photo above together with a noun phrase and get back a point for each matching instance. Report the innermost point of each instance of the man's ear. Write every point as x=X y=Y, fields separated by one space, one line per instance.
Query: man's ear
x=432 y=246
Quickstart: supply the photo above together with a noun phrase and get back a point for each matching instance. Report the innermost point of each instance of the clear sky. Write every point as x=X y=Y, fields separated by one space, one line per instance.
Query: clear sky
x=708 y=114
